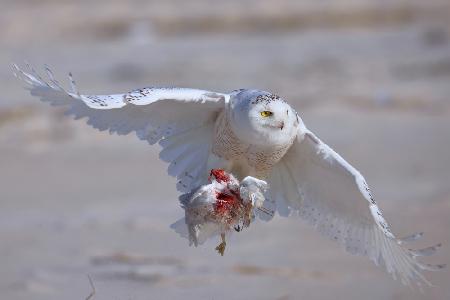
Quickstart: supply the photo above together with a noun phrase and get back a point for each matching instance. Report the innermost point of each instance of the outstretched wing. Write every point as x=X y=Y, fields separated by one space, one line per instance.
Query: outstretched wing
x=181 y=119
x=331 y=195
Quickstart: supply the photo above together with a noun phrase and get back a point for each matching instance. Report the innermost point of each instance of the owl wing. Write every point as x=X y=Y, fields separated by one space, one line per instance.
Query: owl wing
x=180 y=119
x=318 y=184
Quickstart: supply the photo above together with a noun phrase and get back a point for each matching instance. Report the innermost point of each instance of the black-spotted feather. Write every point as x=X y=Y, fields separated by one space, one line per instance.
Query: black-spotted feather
x=180 y=116
x=332 y=196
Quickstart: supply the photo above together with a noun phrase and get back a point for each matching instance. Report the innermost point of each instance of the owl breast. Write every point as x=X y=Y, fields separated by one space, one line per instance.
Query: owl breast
x=244 y=159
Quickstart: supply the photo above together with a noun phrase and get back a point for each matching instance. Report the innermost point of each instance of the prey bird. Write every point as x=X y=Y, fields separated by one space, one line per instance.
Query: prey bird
x=220 y=206
x=248 y=132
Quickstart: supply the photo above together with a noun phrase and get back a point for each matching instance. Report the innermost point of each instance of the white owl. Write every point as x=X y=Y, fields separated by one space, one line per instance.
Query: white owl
x=249 y=133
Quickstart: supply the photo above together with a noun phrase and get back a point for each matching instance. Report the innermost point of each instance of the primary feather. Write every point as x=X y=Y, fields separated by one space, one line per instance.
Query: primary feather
x=180 y=119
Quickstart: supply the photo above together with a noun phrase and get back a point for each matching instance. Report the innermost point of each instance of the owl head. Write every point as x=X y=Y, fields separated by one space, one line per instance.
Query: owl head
x=261 y=118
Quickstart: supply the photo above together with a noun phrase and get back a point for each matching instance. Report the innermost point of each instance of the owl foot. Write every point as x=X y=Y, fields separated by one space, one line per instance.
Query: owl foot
x=221 y=247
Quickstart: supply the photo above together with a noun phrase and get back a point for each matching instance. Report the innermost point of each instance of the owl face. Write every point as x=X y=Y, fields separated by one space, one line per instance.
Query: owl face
x=261 y=118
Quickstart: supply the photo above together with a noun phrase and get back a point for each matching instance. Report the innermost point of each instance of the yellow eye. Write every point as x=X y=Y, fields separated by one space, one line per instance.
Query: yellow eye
x=266 y=113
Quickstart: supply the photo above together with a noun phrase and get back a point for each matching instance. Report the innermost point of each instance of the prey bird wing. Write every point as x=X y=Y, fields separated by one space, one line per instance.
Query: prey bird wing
x=318 y=184
x=180 y=119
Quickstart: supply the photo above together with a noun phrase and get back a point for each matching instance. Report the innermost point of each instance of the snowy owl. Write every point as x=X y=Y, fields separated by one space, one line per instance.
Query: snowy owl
x=249 y=133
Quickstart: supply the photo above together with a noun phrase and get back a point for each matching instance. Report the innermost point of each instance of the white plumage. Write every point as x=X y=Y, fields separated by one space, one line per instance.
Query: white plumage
x=249 y=133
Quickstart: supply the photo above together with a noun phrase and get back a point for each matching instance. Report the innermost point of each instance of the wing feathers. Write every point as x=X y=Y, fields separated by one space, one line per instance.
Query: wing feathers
x=426 y=251
x=332 y=196
x=181 y=118
x=411 y=238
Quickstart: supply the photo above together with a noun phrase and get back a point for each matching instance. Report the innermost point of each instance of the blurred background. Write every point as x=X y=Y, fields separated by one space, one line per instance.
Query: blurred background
x=371 y=78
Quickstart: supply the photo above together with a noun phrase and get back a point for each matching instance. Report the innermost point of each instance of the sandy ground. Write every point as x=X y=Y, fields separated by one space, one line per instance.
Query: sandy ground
x=76 y=202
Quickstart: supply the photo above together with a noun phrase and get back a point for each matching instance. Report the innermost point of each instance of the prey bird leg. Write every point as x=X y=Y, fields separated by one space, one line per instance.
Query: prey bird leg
x=221 y=247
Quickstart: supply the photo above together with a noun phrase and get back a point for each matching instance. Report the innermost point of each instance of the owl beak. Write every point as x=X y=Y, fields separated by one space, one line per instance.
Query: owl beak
x=281 y=125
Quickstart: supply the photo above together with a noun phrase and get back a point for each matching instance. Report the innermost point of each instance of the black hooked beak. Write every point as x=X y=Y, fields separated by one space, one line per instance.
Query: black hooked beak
x=281 y=125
